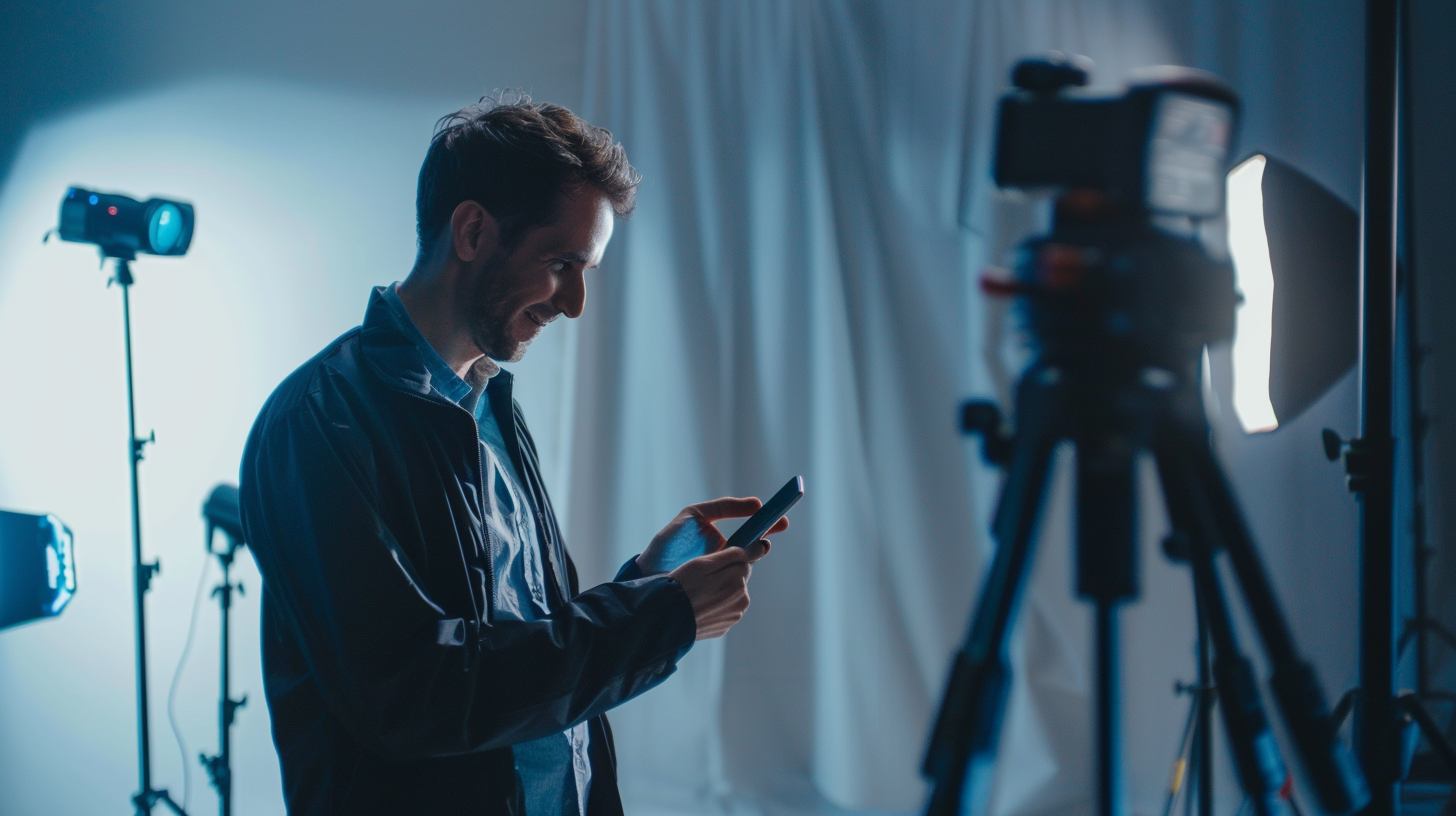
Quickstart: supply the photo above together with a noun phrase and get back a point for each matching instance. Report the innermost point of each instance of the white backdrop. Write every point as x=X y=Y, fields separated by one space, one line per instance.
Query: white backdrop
x=794 y=295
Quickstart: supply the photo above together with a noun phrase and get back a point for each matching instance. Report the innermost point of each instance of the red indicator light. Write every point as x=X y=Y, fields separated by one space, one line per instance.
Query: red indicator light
x=111 y=210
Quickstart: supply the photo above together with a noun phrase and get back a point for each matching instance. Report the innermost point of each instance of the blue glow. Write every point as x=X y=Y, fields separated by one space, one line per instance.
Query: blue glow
x=93 y=198
x=60 y=566
x=226 y=146
x=165 y=229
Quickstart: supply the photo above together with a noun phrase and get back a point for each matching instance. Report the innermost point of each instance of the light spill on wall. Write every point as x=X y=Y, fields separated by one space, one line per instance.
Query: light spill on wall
x=305 y=200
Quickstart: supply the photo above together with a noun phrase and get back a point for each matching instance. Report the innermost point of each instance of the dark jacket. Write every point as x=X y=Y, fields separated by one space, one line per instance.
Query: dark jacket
x=391 y=688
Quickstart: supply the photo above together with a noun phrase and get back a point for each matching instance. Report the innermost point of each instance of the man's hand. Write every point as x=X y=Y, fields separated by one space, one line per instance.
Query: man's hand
x=714 y=577
x=692 y=534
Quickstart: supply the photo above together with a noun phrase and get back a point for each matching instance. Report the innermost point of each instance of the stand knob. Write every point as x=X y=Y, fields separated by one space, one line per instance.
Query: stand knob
x=1363 y=457
x=983 y=418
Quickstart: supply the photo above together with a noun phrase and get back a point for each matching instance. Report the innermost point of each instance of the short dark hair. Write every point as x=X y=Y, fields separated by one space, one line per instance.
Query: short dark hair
x=514 y=157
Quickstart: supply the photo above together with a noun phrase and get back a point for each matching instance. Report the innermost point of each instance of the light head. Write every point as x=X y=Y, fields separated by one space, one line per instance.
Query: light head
x=122 y=226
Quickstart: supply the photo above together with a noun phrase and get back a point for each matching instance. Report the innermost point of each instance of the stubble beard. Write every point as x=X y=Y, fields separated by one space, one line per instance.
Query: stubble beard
x=490 y=315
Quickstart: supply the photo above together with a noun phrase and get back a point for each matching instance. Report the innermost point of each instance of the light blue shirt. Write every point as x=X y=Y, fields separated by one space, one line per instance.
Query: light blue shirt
x=554 y=770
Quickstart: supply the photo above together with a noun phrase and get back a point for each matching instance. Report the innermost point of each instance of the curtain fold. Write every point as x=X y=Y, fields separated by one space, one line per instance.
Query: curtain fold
x=796 y=295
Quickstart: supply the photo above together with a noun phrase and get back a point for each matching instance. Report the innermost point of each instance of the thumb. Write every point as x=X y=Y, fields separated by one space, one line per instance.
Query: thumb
x=757 y=549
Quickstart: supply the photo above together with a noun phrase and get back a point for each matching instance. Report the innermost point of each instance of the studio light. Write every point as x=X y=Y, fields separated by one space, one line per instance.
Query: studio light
x=123 y=226
x=37 y=567
x=1295 y=247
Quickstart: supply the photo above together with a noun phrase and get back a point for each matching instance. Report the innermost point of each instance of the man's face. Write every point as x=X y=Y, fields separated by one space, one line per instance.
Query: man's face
x=517 y=291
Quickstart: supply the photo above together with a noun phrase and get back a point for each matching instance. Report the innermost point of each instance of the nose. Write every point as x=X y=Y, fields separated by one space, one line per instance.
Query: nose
x=571 y=292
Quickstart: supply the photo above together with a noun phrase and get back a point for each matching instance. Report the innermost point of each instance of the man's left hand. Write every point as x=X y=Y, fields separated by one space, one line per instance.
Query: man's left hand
x=692 y=533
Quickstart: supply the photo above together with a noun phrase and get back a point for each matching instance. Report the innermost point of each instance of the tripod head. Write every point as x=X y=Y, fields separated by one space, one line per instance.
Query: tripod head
x=1108 y=287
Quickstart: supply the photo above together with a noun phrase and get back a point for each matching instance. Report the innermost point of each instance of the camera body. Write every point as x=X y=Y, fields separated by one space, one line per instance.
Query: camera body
x=1162 y=146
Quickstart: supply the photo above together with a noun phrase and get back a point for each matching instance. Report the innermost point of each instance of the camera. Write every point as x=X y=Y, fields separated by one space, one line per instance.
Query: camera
x=1162 y=146
x=1112 y=280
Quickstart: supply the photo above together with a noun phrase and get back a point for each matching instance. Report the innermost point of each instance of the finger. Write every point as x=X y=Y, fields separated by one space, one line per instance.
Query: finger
x=779 y=526
x=726 y=557
x=726 y=507
x=758 y=549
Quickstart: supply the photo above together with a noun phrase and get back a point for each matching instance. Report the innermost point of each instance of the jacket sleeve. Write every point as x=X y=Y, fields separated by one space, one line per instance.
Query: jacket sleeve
x=407 y=679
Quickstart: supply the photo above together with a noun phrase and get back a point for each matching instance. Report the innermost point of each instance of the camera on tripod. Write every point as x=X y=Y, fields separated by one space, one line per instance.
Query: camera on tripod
x=1122 y=276
x=1119 y=299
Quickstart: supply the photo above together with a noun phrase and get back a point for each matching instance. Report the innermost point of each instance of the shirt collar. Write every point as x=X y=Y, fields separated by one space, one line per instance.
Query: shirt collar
x=394 y=348
x=439 y=376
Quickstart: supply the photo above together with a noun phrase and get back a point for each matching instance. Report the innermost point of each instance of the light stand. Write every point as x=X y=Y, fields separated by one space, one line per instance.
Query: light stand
x=1192 y=776
x=147 y=797
x=1381 y=714
x=1371 y=457
x=1421 y=624
x=221 y=512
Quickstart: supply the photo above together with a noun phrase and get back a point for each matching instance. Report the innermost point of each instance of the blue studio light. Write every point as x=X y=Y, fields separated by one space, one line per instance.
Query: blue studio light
x=123 y=226
x=37 y=567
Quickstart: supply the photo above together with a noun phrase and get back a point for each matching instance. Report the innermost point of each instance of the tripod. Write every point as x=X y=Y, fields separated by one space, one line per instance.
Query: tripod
x=1193 y=768
x=1120 y=312
x=1192 y=776
x=147 y=797
x=221 y=512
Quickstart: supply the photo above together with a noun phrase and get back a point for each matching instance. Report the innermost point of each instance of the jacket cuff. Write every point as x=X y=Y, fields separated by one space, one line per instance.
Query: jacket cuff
x=629 y=571
x=686 y=625
x=672 y=611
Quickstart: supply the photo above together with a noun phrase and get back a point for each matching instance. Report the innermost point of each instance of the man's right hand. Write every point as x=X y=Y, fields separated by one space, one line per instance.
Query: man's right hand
x=717 y=586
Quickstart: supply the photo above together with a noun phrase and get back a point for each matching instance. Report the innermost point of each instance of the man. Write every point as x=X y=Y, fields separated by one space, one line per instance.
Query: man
x=425 y=646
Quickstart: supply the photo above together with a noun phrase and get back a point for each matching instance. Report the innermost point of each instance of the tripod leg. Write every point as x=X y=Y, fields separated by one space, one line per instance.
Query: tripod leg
x=1411 y=704
x=1330 y=766
x=1257 y=763
x=1183 y=771
x=1256 y=755
x=1107 y=576
x=1206 y=697
x=1109 y=725
x=968 y=727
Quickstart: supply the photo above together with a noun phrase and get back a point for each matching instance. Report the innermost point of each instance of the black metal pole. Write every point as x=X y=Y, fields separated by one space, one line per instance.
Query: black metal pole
x=147 y=797
x=1377 y=739
x=142 y=573
x=1108 y=724
x=1420 y=625
x=1205 y=697
x=225 y=710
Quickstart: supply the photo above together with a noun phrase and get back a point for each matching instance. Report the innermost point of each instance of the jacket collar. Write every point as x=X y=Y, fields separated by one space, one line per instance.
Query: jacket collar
x=390 y=350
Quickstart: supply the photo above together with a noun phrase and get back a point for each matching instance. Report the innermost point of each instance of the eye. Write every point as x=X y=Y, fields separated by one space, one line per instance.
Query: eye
x=557 y=266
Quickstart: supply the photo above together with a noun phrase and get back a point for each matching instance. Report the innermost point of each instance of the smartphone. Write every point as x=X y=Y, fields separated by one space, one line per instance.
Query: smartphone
x=773 y=510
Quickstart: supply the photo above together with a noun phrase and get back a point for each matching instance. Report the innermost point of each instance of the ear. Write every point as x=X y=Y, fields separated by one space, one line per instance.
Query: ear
x=474 y=232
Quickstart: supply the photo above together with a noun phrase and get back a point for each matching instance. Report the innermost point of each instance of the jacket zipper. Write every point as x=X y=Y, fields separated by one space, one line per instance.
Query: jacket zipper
x=484 y=528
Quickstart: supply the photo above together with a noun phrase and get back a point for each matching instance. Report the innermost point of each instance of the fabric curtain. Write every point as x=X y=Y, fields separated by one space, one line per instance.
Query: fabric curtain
x=796 y=295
